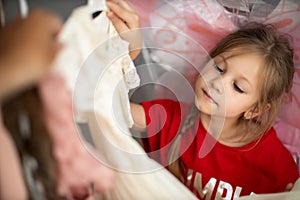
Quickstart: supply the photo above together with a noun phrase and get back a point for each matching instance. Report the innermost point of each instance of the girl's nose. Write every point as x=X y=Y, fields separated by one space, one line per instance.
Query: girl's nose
x=216 y=84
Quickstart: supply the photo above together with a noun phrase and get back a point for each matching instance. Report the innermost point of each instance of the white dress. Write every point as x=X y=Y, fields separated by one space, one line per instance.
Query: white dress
x=99 y=73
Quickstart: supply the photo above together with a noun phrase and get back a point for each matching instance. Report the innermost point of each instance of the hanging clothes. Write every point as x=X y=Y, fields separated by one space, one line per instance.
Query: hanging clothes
x=95 y=54
x=99 y=73
x=77 y=167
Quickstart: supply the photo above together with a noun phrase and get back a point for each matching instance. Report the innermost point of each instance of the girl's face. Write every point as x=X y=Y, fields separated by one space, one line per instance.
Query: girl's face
x=228 y=85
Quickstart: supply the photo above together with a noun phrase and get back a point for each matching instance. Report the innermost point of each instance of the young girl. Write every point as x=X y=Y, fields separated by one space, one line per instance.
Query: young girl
x=225 y=147
x=239 y=90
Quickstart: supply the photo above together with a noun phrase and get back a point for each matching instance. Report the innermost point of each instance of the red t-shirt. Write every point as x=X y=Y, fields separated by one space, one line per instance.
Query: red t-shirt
x=263 y=166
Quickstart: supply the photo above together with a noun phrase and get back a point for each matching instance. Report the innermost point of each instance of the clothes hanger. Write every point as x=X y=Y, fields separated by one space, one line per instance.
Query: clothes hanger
x=23 y=6
x=97 y=6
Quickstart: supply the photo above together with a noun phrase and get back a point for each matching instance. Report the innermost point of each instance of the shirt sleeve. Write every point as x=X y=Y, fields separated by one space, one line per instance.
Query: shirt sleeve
x=163 y=118
x=285 y=166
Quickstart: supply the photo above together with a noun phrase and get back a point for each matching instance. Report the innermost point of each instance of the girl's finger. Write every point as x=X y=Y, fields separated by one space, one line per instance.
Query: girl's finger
x=130 y=18
x=119 y=24
x=125 y=5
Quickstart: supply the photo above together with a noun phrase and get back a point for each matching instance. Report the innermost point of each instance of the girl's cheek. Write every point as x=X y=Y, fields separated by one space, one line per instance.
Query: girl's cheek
x=198 y=83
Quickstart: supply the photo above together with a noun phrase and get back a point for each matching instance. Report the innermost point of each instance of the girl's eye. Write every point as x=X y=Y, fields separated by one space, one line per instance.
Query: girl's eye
x=237 y=88
x=219 y=69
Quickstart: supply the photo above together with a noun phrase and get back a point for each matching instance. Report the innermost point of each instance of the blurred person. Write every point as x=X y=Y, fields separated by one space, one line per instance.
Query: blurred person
x=38 y=139
x=27 y=49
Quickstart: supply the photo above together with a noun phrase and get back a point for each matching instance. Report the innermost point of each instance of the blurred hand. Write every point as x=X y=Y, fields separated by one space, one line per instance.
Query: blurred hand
x=27 y=49
x=126 y=22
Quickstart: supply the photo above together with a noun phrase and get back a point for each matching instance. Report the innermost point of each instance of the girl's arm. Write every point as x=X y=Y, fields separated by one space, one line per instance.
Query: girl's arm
x=138 y=115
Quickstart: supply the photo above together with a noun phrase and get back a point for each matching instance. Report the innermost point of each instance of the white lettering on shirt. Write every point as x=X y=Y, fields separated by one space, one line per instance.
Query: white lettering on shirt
x=223 y=189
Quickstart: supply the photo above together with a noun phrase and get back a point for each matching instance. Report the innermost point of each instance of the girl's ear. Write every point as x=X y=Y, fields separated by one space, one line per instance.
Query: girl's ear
x=256 y=111
x=250 y=114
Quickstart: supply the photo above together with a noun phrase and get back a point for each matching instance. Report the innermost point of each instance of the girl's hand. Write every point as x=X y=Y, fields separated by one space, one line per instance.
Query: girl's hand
x=126 y=22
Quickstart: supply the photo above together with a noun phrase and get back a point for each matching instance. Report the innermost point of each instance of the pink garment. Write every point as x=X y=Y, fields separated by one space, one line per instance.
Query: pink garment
x=77 y=167
x=181 y=33
x=186 y=28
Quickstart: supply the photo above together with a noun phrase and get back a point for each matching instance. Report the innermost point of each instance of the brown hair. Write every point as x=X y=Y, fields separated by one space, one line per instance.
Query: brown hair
x=277 y=72
x=23 y=117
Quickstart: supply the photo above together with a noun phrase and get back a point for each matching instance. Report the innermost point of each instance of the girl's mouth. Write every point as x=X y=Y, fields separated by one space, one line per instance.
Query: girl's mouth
x=208 y=97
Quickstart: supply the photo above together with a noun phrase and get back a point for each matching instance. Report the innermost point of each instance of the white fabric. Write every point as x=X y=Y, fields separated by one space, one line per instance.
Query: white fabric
x=98 y=4
x=94 y=69
x=294 y=194
x=93 y=52
x=138 y=177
